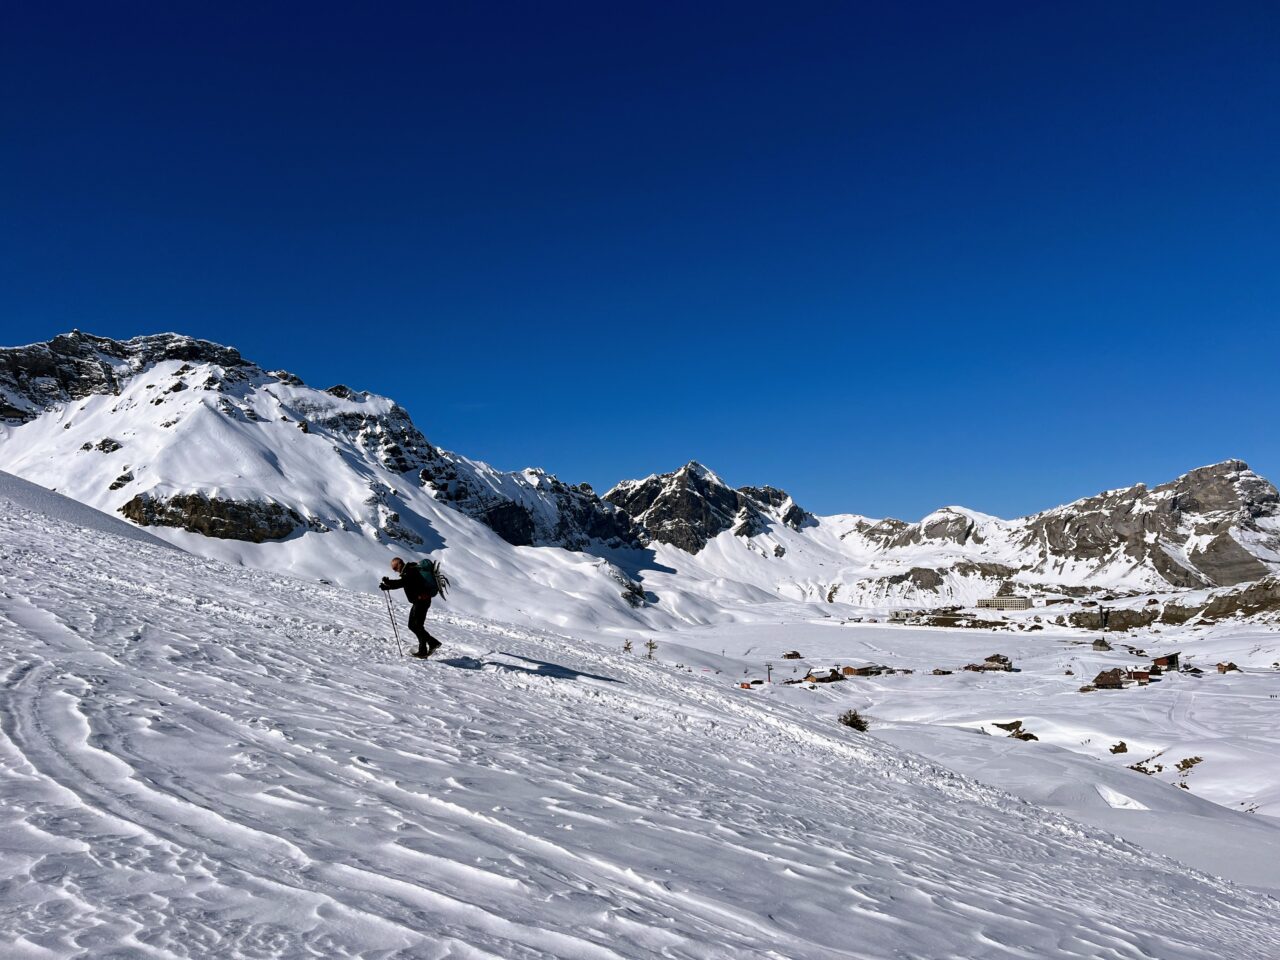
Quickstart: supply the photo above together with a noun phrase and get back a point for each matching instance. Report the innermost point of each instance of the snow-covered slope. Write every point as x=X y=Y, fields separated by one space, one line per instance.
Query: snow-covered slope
x=198 y=757
x=1209 y=743
x=16 y=493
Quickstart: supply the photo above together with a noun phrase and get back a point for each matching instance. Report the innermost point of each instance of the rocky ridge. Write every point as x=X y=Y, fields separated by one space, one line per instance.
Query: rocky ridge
x=1217 y=525
x=1190 y=530
x=75 y=365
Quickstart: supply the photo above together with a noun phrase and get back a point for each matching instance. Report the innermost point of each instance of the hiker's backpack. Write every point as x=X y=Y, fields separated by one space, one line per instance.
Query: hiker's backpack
x=437 y=583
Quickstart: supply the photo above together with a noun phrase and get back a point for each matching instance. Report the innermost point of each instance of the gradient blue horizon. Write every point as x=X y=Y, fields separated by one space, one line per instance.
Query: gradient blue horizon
x=888 y=257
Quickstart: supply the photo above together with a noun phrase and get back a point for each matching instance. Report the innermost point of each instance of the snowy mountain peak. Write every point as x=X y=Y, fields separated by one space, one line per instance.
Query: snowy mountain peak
x=1213 y=526
x=692 y=506
x=71 y=366
x=1226 y=487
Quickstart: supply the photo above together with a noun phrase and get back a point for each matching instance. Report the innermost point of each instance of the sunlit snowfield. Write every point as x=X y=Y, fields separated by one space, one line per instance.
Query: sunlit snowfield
x=207 y=760
x=1210 y=813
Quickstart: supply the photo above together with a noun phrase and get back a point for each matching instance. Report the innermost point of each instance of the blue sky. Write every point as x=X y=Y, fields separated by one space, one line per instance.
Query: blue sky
x=887 y=256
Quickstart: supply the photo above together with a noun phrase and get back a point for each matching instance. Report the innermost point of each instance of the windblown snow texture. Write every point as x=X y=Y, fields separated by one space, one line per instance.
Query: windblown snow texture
x=202 y=758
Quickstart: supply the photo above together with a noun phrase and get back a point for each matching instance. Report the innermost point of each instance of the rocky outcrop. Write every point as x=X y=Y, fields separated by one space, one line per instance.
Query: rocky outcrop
x=391 y=437
x=789 y=512
x=582 y=518
x=947 y=525
x=766 y=496
x=632 y=591
x=532 y=508
x=691 y=506
x=796 y=518
x=924 y=578
x=1260 y=599
x=253 y=521
x=1187 y=530
x=1016 y=730
x=76 y=365
x=1105 y=618
x=509 y=520
x=750 y=522
x=882 y=532
x=686 y=509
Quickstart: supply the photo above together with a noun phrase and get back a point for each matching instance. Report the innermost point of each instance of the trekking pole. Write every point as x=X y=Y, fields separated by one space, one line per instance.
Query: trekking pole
x=394 y=628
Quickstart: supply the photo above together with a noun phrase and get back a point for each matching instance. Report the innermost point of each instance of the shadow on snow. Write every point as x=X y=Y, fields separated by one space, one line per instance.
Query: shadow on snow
x=536 y=668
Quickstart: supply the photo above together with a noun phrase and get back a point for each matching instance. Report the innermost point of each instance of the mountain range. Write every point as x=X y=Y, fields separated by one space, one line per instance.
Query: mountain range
x=226 y=459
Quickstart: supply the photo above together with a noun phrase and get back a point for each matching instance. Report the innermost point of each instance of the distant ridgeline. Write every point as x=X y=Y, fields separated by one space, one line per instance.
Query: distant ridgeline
x=181 y=434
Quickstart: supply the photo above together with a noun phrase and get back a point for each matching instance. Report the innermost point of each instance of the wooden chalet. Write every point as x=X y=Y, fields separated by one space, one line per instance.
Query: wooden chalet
x=1110 y=679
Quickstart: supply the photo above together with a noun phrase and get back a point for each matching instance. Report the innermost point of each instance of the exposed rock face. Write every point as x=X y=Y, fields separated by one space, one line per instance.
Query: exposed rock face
x=685 y=509
x=632 y=590
x=1103 y=618
x=946 y=524
x=882 y=532
x=925 y=578
x=1206 y=528
x=531 y=508
x=539 y=510
x=509 y=520
x=1261 y=598
x=254 y=521
x=1200 y=509
x=769 y=496
x=392 y=438
x=582 y=517
x=750 y=522
x=692 y=506
x=796 y=518
x=76 y=365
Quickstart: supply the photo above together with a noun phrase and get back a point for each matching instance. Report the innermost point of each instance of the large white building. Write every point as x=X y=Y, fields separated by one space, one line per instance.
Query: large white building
x=1006 y=603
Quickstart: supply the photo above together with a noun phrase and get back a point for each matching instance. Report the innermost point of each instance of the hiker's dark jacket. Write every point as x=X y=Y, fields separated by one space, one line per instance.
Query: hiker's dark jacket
x=411 y=579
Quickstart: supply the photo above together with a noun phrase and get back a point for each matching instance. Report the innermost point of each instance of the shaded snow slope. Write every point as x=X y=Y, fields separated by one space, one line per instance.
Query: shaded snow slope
x=200 y=758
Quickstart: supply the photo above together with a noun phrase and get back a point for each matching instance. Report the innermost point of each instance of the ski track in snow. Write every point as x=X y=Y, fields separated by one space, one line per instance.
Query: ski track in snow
x=204 y=760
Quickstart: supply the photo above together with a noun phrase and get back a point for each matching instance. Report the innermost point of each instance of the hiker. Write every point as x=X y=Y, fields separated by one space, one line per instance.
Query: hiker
x=419 y=592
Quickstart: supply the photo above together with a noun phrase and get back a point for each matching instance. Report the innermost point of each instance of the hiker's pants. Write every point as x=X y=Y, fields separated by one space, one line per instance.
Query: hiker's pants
x=417 y=624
